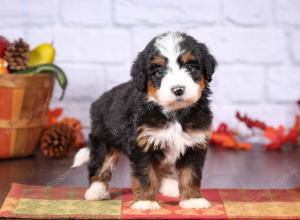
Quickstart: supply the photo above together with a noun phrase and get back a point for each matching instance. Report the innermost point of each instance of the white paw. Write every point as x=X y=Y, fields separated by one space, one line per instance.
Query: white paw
x=145 y=205
x=169 y=187
x=197 y=203
x=96 y=191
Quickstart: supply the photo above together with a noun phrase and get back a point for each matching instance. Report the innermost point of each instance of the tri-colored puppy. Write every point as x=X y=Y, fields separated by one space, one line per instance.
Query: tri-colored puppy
x=160 y=119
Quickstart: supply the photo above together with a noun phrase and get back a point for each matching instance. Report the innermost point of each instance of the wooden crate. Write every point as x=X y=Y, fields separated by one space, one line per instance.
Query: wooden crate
x=24 y=101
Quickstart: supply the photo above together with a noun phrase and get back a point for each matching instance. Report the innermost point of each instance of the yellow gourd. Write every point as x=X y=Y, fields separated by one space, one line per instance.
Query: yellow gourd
x=42 y=54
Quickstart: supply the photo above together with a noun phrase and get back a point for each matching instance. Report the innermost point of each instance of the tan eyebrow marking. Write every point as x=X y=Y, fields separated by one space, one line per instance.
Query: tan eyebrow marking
x=186 y=57
x=159 y=60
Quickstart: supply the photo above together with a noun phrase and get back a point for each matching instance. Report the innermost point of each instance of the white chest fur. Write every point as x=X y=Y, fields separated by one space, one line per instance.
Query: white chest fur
x=173 y=139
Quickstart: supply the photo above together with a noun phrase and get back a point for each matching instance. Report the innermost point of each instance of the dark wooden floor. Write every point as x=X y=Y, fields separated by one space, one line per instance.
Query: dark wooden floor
x=223 y=169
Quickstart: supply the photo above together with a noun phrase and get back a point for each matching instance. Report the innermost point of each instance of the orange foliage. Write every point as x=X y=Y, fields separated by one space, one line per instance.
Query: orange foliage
x=53 y=115
x=277 y=136
x=226 y=138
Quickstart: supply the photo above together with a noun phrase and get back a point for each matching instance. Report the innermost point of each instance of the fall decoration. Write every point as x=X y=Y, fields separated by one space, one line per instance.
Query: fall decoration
x=277 y=137
x=24 y=101
x=42 y=54
x=16 y=54
x=26 y=85
x=53 y=116
x=3 y=45
x=77 y=126
x=22 y=60
x=249 y=122
x=57 y=140
x=227 y=138
x=3 y=66
x=48 y=68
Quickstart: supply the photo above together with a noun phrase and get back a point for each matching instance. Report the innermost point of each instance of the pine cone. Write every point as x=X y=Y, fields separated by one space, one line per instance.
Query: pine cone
x=57 y=140
x=77 y=126
x=16 y=54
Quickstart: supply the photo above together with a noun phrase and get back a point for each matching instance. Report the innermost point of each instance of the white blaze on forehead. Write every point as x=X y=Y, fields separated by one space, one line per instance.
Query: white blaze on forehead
x=169 y=45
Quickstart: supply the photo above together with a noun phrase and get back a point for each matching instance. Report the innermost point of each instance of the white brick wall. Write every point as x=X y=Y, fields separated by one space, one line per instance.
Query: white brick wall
x=255 y=42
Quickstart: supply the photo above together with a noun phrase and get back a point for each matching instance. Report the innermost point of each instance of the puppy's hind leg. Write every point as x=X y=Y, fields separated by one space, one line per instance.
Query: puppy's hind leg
x=100 y=167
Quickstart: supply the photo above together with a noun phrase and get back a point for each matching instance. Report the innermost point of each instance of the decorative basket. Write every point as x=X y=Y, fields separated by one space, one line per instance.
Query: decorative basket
x=24 y=101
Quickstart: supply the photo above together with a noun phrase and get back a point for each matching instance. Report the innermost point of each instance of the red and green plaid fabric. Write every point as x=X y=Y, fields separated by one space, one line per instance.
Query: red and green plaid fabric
x=39 y=202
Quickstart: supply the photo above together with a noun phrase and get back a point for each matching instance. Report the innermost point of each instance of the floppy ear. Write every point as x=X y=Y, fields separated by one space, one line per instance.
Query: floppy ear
x=138 y=72
x=210 y=64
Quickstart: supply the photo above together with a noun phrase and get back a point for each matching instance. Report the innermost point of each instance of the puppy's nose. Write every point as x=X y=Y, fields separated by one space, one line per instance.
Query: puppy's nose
x=178 y=90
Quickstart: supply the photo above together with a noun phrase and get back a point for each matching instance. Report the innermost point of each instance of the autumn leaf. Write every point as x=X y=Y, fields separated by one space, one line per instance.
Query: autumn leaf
x=244 y=146
x=53 y=115
x=276 y=136
x=250 y=123
x=226 y=138
x=294 y=132
x=292 y=136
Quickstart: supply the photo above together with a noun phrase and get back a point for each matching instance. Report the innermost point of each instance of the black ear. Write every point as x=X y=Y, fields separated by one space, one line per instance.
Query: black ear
x=138 y=72
x=209 y=65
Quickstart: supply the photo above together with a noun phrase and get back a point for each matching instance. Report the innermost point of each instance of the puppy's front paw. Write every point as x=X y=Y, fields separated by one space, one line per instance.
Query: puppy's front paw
x=196 y=203
x=97 y=191
x=145 y=205
x=169 y=187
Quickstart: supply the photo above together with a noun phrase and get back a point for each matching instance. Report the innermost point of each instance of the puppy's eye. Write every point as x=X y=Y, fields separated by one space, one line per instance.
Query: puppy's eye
x=159 y=72
x=190 y=67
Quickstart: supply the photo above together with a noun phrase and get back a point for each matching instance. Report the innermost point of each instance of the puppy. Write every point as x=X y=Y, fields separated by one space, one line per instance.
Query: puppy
x=160 y=119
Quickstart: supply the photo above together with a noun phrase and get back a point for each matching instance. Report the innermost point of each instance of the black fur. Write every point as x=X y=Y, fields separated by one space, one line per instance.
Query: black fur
x=118 y=113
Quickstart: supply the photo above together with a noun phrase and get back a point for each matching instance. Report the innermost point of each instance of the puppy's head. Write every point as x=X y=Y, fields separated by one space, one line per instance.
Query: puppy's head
x=173 y=70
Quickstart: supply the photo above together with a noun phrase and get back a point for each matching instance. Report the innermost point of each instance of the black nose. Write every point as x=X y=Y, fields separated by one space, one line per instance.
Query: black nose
x=178 y=90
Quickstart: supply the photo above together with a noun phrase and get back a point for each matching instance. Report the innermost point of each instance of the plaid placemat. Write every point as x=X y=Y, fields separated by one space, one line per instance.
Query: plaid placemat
x=39 y=202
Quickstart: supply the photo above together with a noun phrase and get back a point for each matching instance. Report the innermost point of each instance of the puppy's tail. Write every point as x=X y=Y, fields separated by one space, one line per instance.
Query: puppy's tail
x=81 y=157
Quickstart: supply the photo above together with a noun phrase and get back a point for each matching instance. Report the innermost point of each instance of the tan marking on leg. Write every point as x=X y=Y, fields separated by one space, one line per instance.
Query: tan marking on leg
x=104 y=173
x=149 y=192
x=164 y=170
x=187 y=187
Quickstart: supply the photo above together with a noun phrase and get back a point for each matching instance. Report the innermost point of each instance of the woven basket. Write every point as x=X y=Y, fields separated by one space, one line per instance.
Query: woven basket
x=24 y=101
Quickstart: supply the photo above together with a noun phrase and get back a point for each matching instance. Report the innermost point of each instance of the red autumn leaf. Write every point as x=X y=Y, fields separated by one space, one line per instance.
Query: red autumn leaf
x=294 y=132
x=53 y=115
x=223 y=128
x=292 y=136
x=228 y=141
x=244 y=146
x=226 y=138
x=250 y=123
x=276 y=136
